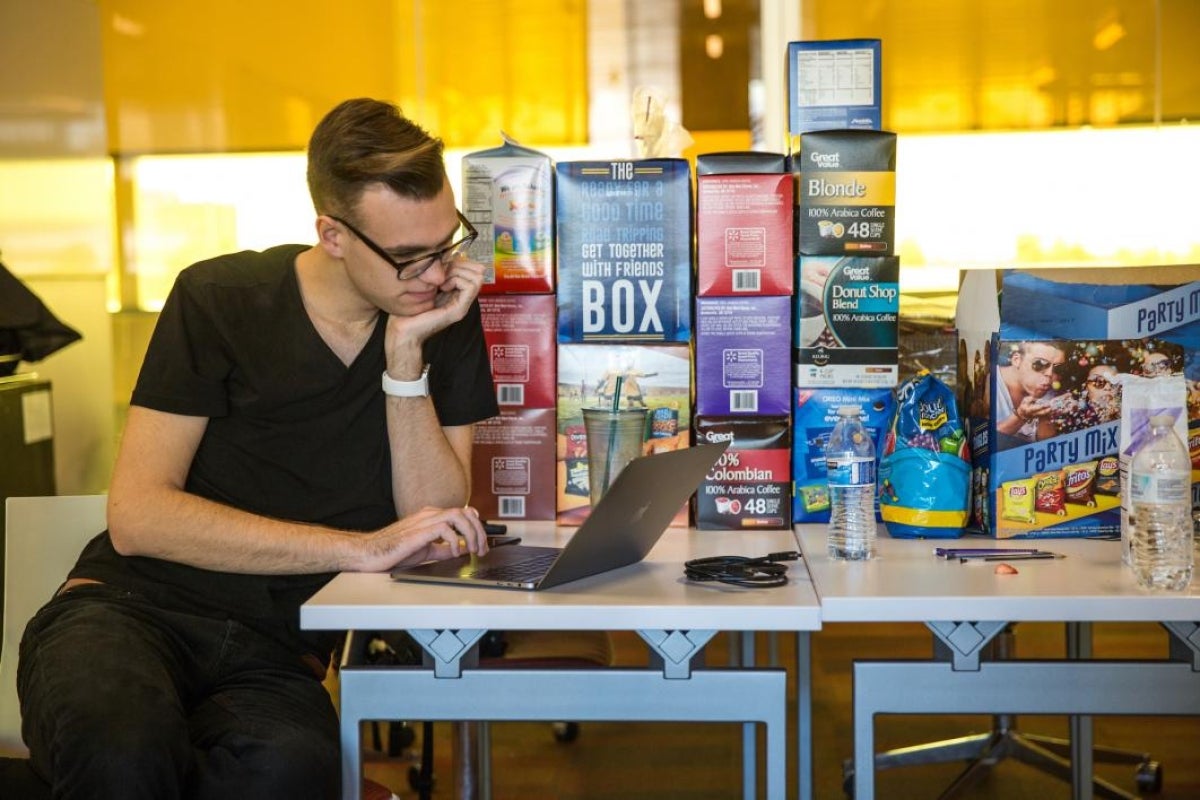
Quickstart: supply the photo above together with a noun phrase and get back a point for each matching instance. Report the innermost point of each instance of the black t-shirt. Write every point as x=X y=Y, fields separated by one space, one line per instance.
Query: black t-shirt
x=293 y=433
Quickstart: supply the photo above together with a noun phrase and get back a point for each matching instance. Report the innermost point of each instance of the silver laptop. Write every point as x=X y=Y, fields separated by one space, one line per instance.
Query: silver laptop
x=622 y=528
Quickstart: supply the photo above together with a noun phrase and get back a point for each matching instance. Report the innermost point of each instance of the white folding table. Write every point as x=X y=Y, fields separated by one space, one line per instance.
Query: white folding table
x=675 y=617
x=966 y=605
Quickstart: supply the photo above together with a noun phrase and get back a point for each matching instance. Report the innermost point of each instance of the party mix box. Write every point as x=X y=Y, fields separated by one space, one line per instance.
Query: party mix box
x=1044 y=392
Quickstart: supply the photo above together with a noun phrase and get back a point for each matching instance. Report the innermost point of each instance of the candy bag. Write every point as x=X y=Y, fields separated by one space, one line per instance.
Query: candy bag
x=925 y=467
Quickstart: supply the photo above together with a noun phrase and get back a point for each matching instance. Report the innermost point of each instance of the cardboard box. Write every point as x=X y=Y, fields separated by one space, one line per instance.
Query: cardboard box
x=513 y=465
x=624 y=250
x=846 y=321
x=657 y=377
x=813 y=418
x=508 y=195
x=744 y=210
x=834 y=84
x=1161 y=302
x=1052 y=470
x=846 y=193
x=750 y=487
x=519 y=332
x=743 y=349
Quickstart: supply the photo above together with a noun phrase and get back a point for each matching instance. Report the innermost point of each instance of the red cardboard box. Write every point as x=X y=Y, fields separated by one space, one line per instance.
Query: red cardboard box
x=743 y=224
x=512 y=467
x=519 y=331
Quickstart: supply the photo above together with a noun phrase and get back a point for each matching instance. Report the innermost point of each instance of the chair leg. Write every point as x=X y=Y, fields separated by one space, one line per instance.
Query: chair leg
x=466 y=774
x=422 y=780
x=1103 y=753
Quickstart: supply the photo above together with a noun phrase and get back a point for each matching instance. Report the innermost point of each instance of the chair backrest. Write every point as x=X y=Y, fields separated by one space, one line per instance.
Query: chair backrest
x=43 y=537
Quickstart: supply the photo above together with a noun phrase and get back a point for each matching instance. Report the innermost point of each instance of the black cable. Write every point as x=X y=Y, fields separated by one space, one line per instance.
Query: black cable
x=761 y=572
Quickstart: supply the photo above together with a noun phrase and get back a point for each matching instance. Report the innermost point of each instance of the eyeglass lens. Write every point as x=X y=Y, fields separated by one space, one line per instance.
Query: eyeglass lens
x=447 y=254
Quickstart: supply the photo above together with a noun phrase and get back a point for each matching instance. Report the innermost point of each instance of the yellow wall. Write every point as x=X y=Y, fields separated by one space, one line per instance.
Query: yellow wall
x=227 y=75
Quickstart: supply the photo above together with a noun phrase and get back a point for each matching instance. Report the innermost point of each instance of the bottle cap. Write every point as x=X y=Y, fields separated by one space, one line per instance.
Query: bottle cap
x=1161 y=421
x=849 y=411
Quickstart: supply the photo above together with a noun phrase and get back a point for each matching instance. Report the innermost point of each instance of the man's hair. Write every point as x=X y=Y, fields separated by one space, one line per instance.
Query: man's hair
x=363 y=142
x=1022 y=346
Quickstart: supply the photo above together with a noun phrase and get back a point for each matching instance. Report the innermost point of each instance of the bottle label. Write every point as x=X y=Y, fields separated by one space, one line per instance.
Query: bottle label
x=1168 y=488
x=850 y=471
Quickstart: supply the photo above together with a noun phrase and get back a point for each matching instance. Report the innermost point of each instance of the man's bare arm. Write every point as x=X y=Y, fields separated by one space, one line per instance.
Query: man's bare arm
x=150 y=514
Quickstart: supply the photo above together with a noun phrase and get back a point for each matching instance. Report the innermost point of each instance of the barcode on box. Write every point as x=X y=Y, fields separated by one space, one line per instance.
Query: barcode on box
x=511 y=507
x=743 y=401
x=510 y=394
x=747 y=280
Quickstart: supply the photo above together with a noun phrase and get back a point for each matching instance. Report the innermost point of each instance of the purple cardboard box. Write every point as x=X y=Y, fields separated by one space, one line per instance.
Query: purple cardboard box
x=743 y=353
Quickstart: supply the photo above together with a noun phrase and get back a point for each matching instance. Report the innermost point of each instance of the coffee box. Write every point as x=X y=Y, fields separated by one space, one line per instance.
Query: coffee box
x=656 y=377
x=846 y=193
x=744 y=213
x=813 y=416
x=624 y=250
x=834 y=84
x=519 y=332
x=846 y=315
x=750 y=486
x=508 y=195
x=512 y=466
x=743 y=347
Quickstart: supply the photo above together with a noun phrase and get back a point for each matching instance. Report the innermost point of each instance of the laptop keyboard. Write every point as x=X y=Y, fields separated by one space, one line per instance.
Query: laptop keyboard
x=529 y=569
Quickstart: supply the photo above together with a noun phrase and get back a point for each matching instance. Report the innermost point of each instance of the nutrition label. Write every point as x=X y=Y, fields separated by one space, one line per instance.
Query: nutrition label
x=836 y=77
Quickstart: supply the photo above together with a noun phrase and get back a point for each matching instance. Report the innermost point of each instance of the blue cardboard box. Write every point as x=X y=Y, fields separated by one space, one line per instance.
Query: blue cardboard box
x=624 y=237
x=834 y=84
x=813 y=416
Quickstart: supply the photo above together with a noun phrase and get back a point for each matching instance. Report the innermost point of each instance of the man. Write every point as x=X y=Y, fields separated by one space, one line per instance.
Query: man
x=1026 y=380
x=263 y=453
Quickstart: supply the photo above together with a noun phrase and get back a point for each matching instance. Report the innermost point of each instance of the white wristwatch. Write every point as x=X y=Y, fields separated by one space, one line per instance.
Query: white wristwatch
x=417 y=388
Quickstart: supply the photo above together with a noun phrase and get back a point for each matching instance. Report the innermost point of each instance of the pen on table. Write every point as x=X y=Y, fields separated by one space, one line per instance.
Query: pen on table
x=1041 y=556
x=955 y=552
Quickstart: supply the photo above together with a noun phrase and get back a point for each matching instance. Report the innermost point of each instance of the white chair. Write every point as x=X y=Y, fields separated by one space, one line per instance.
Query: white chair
x=43 y=537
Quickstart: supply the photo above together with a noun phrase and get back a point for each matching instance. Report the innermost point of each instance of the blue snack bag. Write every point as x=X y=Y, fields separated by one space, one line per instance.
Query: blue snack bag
x=925 y=466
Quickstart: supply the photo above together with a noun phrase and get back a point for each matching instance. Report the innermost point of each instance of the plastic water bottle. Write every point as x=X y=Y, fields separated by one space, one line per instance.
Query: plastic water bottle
x=1160 y=483
x=850 y=464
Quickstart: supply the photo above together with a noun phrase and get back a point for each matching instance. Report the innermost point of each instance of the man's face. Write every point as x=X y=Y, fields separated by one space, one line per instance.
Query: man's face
x=406 y=229
x=1100 y=385
x=1036 y=367
x=1157 y=364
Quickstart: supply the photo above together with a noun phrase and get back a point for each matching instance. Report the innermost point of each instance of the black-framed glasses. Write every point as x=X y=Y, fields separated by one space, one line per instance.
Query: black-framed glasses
x=415 y=267
x=1041 y=365
x=1099 y=383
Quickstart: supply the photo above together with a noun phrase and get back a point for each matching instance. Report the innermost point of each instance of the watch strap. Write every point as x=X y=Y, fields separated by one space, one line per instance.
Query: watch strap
x=417 y=388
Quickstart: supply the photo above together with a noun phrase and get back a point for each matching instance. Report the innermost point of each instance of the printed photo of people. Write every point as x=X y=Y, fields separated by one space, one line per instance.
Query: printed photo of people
x=1047 y=388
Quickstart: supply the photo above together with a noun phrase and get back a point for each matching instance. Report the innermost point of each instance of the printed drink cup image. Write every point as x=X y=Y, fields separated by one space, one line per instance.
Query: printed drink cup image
x=614 y=438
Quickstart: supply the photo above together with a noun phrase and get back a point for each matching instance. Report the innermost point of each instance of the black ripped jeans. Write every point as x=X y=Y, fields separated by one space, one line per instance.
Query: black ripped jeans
x=123 y=699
